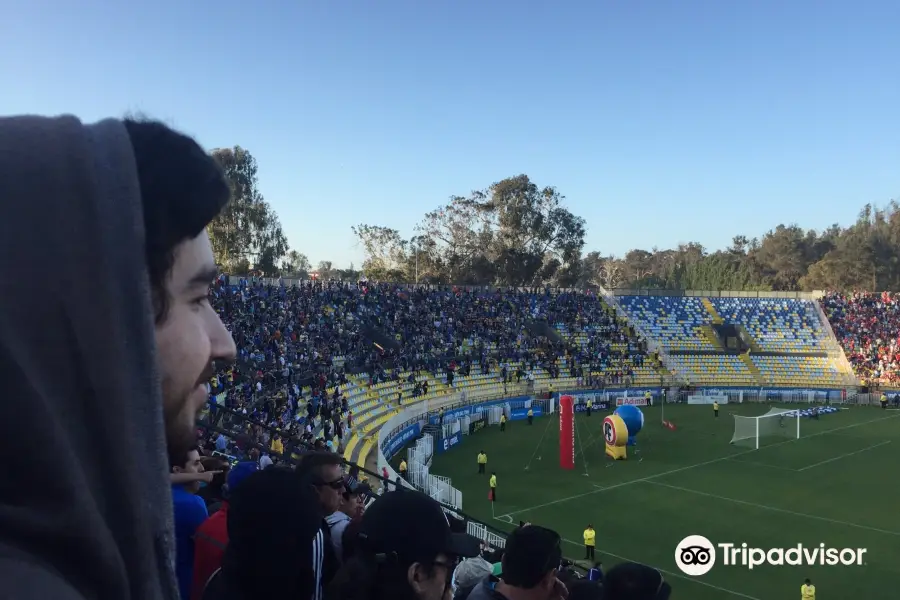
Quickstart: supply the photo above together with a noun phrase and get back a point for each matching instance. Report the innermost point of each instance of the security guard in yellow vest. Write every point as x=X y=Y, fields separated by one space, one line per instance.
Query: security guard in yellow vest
x=530 y=415
x=716 y=408
x=648 y=396
x=884 y=401
x=493 y=485
x=503 y=422
x=482 y=462
x=590 y=537
x=807 y=591
x=403 y=469
x=590 y=404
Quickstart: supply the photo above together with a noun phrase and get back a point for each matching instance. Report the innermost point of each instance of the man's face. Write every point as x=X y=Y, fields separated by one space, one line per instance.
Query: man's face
x=331 y=488
x=191 y=465
x=188 y=340
x=352 y=505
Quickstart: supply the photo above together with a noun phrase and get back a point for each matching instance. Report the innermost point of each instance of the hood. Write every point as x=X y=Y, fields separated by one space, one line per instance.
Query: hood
x=85 y=508
x=335 y=518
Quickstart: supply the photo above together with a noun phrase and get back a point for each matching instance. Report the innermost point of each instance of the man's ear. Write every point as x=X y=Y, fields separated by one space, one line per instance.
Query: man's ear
x=415 y=575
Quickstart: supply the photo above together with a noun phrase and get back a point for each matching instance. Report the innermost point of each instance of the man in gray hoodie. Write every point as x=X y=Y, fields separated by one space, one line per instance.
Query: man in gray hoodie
x=107 y=340
x=351 y=507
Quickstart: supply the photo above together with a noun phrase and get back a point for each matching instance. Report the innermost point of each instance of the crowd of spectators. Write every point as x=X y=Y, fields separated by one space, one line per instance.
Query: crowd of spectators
x=868 y=327
x=107 y=362
x=298 y=344
x=310 y=530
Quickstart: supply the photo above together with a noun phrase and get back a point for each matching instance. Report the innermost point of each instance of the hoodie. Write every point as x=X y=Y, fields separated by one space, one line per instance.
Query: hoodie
x=337 y=523
x=88 y=512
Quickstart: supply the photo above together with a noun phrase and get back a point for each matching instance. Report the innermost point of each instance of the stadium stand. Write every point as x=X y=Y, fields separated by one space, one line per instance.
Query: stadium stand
x=335 y=361
x=730 y=341
x=868 y=327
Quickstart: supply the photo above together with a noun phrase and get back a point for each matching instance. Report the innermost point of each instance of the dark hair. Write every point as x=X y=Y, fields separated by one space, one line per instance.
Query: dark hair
x=531 y=553
x=312 y=464
x=349 y=541
x=182 y=191
x=584 y=589
x=273 y=521
x=180 y=461
x=364 y=578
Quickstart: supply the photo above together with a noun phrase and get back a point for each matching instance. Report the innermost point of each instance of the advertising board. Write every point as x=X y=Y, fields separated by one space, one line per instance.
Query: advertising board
x=707 y=399
x=476 y=425
x=448 y=442
x=472 y=409
x=632 y=401
x=517 y=414
x=595 y=405
x=399 y=439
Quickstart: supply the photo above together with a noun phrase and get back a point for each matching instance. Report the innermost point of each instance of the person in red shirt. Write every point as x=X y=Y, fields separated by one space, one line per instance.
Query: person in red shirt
x=211 y=538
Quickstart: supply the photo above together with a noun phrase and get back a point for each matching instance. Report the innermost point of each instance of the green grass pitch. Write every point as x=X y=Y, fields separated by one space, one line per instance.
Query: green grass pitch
x=836 y=485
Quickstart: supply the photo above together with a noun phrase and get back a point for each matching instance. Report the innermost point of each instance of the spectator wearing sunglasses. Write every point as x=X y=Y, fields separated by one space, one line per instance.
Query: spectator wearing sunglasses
x=323 y=472
x=351 y=507
x=405 y=550
x=530 y=568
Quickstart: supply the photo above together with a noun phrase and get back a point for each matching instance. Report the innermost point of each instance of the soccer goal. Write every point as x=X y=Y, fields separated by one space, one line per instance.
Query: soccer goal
x=777 y=423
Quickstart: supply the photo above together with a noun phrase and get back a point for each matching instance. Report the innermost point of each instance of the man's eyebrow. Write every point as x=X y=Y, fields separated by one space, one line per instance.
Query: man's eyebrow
x=203 y=277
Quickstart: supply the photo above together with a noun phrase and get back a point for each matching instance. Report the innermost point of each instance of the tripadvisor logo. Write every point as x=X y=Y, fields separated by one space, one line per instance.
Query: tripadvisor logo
x=695 y=555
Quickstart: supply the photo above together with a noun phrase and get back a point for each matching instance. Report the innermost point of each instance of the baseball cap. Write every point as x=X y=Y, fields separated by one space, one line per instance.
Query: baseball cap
x=353 y=486
x=413 y=526
x=633 y=581
x=240 y=472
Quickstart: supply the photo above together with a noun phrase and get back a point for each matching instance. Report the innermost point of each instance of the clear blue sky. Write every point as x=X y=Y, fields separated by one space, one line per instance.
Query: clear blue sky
x=661 y=122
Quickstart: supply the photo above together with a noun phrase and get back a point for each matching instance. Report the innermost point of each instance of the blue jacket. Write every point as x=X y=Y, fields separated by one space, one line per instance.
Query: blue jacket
x=190 y=512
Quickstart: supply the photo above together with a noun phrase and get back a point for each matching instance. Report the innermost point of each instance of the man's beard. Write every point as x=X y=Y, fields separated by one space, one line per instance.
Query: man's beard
x=181 y=432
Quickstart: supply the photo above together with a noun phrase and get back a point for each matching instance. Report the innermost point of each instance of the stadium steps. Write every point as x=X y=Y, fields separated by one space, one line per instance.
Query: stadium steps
x=751 y=341
x=709 y=334
x=708 y=305
x=751 y=366
x=351 y=447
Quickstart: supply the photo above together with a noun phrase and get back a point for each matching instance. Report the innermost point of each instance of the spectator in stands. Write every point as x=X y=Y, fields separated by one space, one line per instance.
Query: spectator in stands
x=405 y=550
x=275 y=543
x=632 y=581
x=868 y=327
x=190 y=512
x=213 y=492
x=211 y=537
x=351 y=507
x=323 y=472
x=126 y=247
x=530 y=562
x=470 y=573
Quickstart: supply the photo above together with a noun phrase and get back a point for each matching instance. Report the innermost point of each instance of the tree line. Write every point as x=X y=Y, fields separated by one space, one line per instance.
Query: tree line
x=247 y=236
x=517 y=233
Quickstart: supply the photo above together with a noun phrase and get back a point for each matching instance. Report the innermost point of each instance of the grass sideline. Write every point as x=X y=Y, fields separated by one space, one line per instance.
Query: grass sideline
x=835 y=485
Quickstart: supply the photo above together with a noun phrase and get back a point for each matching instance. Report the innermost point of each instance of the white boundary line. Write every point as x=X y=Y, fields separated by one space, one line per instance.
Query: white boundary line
x=831 y=460
x=680 y=469
x=775 y=509
x=766 y=465
x=671 y=573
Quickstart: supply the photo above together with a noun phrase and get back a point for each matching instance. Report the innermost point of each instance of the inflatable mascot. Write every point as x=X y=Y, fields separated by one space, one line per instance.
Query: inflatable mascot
x=620 y=430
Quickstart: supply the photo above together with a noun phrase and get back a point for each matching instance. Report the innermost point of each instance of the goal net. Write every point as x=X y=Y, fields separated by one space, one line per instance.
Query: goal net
x=777 y=423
